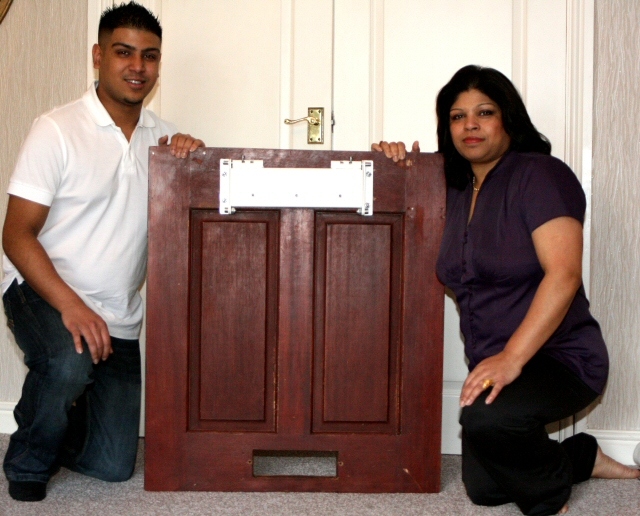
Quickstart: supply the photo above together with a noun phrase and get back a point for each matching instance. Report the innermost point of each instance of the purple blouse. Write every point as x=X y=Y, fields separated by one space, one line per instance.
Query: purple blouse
x=492 y=267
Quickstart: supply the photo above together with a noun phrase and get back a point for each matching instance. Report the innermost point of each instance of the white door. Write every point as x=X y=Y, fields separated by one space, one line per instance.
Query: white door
x=233 y=70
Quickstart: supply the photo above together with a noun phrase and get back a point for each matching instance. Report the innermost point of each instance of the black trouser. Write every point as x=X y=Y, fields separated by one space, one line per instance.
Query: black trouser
x=507 y=455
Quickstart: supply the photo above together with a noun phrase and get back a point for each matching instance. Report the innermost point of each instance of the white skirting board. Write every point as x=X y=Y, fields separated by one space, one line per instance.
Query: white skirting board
x=7 y=422
x=451 y=443
x=618 y=444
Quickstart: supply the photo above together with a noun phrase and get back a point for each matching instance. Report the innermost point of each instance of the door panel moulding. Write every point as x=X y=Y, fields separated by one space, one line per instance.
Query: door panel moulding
x=376 y=71
x=519 y=47
x=579 y=114
x=286 y=72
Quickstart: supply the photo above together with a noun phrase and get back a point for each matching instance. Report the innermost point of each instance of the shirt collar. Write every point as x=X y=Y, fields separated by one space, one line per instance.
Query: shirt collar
x=100 y=115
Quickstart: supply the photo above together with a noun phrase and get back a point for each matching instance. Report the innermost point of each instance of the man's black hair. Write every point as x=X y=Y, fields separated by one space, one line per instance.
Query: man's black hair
x=130 y=16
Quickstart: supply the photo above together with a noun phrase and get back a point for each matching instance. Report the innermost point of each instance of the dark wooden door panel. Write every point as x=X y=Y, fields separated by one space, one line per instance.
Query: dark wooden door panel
x=358 y=271
x=233 y=312
x=293 y=330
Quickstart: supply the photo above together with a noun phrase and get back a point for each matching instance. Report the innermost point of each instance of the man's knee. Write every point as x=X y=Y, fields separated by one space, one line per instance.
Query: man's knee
x=70 y=369
x=121 y=474
x=114 y=468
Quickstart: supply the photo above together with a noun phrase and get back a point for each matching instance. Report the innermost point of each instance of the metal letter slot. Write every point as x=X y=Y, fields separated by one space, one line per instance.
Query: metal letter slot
x=315 y=127
x=247 y=184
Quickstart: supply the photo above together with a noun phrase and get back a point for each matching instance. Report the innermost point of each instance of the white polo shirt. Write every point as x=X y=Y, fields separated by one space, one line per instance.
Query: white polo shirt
x=78 y=162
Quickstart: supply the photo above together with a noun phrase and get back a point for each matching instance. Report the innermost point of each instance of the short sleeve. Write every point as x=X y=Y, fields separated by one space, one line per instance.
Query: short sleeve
x=550 y=189
x=40 y=165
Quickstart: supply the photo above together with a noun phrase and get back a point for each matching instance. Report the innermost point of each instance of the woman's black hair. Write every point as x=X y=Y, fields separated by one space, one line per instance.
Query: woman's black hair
x=515 y=119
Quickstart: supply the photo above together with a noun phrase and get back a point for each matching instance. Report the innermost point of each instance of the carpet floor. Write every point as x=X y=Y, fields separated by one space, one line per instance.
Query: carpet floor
x=72 y=494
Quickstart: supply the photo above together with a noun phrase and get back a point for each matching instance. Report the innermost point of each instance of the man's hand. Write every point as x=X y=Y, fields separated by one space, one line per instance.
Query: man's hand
x=82 y=322
x=181 y=144
x=397 y=151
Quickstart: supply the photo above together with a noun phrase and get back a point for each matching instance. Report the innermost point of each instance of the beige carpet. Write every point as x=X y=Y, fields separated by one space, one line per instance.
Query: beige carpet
x=71 y=494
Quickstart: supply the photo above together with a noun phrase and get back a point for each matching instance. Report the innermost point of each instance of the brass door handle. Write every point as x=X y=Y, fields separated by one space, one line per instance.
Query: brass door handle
x=311 y=119
x=315 y=127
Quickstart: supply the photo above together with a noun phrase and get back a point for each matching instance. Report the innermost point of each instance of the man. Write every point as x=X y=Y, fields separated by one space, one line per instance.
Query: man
x=75 y=242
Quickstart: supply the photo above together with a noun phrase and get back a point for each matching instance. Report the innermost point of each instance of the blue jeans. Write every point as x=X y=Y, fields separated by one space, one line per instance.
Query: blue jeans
x=71 y=413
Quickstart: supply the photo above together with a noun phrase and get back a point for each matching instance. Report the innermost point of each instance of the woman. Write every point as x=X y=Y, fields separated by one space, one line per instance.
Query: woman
x=512 y=253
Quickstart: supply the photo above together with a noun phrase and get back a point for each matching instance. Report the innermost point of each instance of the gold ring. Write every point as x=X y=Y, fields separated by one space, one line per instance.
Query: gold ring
x=487 y=383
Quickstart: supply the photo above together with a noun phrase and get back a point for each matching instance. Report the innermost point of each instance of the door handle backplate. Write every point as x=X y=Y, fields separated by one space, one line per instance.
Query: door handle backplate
x=315 y=124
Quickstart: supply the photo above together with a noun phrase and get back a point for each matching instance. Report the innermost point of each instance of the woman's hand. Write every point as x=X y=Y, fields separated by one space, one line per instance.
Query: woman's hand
x=496 y=371
x=397 y=151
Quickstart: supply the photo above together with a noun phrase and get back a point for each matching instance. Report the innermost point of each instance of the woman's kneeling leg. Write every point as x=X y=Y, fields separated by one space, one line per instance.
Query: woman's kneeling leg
x=508 y=438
